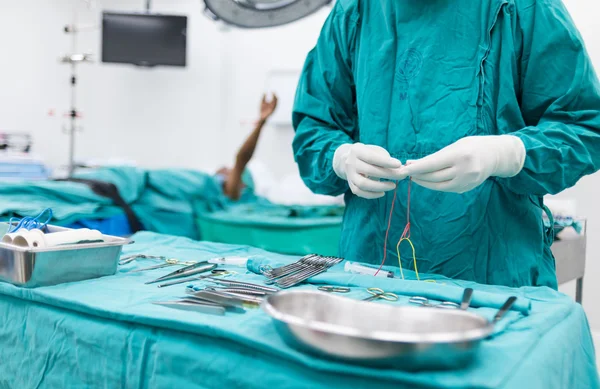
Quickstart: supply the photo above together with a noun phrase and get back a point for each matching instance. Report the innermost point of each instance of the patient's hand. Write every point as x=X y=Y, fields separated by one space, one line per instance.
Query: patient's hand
x=267 y=107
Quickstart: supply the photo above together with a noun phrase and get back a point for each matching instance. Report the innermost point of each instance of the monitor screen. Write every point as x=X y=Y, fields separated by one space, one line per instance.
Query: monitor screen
x=144 y=39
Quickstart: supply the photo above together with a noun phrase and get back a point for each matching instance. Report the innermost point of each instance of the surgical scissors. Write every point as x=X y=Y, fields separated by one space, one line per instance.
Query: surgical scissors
x=131 y=258
x=426 y=303
x=334 y=289
x=188 y=271
x=378 y=293
x=168 y=262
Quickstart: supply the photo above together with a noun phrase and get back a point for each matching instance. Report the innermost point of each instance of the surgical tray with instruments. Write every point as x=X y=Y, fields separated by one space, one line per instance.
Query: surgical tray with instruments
x=33 y=267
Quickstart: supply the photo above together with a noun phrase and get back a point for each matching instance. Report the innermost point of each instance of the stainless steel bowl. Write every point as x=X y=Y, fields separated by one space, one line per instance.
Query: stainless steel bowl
x=377 y=334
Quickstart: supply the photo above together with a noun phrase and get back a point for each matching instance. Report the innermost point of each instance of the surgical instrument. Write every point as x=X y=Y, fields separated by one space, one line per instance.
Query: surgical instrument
x=245 y=285
x=242 y=291
x=504 y=308
x=426 y=303
x=356 y=268
x=307 y=267
x=288 y=269
x=168 y=262
x=297 y=278
x=226 y=299
x=309 y=261
x=230 y=261
x=215 y=272
x=380 y=294
x=131 y=258
x=233 y=294
x=334 y=289
x=228 y=307
x=466 y=300
x=187 y=271
x=194 y=305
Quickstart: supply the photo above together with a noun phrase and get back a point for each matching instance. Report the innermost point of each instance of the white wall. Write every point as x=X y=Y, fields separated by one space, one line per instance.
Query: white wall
x=192 y=117
x=159 y=117
x=187 y=117
x=249 y=57
x=585 y=13
x=30 y=79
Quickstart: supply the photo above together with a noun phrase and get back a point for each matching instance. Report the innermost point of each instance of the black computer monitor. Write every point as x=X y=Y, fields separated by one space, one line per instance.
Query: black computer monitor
x=144 y=39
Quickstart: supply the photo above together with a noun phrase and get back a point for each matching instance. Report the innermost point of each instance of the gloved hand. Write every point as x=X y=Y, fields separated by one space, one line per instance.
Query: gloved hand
x=363 y=165
x=467 y=163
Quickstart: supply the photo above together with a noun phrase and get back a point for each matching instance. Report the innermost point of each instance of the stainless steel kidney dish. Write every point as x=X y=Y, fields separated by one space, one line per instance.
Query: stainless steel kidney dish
x=375 y=334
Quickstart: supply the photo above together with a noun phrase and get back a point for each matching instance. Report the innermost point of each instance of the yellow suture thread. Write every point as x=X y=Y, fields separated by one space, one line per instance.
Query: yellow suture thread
x=414 y=257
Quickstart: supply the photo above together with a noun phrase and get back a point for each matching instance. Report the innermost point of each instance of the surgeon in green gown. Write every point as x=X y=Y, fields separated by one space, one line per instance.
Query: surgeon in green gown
x=485 y=105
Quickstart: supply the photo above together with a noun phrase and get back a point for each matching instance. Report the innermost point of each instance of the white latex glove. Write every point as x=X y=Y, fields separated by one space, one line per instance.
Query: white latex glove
x=467 y=163
x=363 y=166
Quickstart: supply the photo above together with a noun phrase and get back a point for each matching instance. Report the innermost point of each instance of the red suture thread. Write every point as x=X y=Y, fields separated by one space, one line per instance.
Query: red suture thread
x=405 y=234
x=387 y=232
x=407 y=228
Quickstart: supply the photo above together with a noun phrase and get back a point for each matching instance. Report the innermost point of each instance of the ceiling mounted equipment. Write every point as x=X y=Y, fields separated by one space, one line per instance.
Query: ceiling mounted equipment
x=261 y=13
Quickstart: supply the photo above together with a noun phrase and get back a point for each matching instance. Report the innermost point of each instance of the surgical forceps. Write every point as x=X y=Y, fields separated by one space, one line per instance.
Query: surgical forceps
x=214 y=273
x=334 y=289
x=245 y=285
x=188 y=271
x=131 y=258
x=168 y=262
x=381 y=294
x=194 y=305
x=426 y=303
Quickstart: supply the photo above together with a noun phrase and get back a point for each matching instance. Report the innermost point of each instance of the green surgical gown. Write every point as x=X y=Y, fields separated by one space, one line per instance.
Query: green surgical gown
x=415 y=76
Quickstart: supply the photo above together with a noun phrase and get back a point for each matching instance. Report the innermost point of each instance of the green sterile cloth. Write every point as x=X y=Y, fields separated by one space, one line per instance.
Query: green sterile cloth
x=107 y=333
x=443 y=289
x=69 y=201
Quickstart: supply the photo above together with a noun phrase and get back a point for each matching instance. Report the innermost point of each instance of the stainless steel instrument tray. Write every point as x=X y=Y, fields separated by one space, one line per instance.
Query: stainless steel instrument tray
x=30 y=268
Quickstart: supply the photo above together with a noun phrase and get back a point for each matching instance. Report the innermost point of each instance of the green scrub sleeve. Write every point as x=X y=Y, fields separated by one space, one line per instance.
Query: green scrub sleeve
x=560 y=101
x=324 y=114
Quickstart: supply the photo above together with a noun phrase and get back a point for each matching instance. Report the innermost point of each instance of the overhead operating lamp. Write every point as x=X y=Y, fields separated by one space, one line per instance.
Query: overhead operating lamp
x=261 y=13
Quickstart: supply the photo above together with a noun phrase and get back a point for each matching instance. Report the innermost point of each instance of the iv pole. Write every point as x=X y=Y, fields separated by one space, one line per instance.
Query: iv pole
x=73 y=110
x=73 y=59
